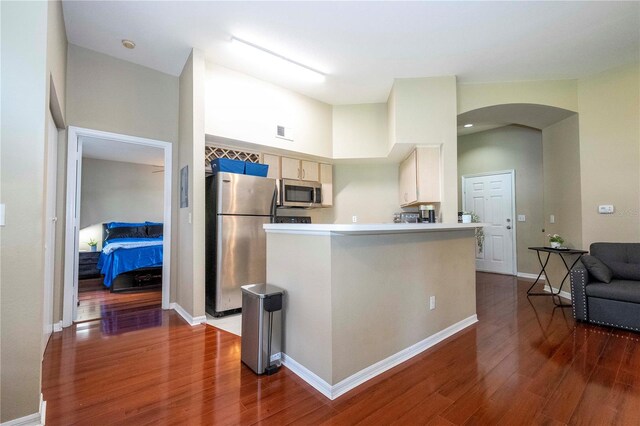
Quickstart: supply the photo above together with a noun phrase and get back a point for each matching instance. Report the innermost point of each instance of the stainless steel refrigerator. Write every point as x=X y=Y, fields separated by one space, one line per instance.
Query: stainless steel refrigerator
x=236 y=208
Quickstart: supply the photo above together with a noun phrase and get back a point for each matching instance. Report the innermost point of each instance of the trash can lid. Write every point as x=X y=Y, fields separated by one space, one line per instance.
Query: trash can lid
x=261 y=290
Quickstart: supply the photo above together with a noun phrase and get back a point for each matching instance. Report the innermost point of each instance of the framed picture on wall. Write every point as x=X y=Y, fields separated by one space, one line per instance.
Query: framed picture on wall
x=184 y=187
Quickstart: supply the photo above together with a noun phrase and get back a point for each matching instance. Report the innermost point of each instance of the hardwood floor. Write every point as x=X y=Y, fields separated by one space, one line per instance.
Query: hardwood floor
x=524 y=362
x=98 y=303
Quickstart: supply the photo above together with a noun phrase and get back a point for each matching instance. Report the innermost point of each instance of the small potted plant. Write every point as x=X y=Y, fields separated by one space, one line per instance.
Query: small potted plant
x=93 y=244
x=479 y=231
x=556 y=241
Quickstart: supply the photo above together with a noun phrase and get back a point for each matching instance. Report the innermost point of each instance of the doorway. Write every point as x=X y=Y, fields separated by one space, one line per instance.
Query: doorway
x=491 y=196
x=114 y=143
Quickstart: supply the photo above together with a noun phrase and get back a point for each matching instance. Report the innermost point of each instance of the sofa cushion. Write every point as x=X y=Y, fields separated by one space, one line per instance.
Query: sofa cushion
x=622 y=258
x=596 y=268
x=623 y=290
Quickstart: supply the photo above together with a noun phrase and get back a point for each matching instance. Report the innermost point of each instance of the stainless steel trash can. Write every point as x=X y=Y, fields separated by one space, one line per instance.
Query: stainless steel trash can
x=261 y=326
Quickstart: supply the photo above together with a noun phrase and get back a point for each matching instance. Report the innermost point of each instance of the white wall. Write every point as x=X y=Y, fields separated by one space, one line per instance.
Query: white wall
x=244 y=108
x=520 y=149
x=24 y=78
x=117 y=191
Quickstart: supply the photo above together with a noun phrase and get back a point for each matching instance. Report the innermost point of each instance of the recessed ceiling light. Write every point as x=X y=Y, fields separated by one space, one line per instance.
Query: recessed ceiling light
x=128 y=44
x=468 y=125
x=276 y=61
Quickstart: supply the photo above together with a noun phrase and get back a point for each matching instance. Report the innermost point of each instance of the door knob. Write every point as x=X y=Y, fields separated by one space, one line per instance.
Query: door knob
x=508 y=227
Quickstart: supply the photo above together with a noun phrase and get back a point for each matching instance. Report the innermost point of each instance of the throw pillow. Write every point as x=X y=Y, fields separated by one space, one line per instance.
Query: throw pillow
x=597 y=269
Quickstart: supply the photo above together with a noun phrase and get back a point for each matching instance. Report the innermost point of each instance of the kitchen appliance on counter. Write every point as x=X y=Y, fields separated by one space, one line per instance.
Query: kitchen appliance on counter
x=406 y=217
x=237 y=206
x=427 y=214
x=292 y=219
x=299 y=193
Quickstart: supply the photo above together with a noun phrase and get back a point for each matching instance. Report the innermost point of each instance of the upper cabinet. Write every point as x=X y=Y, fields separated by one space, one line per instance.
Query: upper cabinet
x=292 y=168
x=326 y=179
x=273 y=161
x=419 y=177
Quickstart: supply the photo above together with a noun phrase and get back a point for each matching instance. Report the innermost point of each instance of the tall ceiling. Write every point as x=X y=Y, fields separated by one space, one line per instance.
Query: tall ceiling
x=363 y=46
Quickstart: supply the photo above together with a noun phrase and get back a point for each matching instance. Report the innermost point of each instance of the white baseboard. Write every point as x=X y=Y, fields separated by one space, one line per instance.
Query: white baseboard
x=57 y=326
x=531 y=276
x=344 y=386
x=35 y=419
x=187 y=316
x=563 y=294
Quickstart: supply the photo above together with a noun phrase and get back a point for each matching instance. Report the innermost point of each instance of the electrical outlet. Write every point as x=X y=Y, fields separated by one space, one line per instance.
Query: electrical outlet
x=432 y=303
x=354 y=219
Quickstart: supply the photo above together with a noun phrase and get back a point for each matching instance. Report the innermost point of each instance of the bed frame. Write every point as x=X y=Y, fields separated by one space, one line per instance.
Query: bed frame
x=137 y=280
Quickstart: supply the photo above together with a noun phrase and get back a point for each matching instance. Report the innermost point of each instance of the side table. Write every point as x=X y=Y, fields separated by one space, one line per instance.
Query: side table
x=560 y=252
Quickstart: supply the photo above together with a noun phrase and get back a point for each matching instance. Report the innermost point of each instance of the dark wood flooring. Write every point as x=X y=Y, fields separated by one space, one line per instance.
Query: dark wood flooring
x=96 y=303
x=525 y=362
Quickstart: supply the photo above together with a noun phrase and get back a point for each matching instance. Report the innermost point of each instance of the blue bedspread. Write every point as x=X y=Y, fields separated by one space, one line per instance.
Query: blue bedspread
x=127 y=259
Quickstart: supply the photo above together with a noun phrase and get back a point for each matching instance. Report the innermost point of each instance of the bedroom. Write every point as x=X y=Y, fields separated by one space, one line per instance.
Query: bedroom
x=120 y=233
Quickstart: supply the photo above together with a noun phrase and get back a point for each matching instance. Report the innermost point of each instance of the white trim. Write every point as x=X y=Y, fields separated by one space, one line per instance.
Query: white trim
x=563 y=293
x=187 y=316
x=30 y=420
x=531 y=276
x=34 y=419
x=74 y=170
x=344 y=386
x=514 y=228
x=308 y=376
x=57 y=326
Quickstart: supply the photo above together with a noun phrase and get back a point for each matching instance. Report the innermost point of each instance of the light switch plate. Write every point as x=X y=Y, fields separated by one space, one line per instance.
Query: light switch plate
x=552 y=218
x=2 y=214
x=605 y=209
x=522 y=218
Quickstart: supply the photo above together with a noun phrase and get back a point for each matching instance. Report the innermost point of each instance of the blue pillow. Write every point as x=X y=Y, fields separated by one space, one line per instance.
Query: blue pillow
x=123 y=224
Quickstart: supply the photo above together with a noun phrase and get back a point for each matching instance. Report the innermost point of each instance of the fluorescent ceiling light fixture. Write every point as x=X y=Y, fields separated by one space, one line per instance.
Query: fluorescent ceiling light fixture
x=468 y=125
x=277 y=62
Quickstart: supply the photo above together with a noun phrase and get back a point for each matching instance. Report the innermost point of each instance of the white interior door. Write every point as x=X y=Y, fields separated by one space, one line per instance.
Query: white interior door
x=491 y=198
x=50 y=230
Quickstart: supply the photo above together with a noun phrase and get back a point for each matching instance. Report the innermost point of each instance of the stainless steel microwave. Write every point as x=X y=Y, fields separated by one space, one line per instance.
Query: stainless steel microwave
x=299 y=193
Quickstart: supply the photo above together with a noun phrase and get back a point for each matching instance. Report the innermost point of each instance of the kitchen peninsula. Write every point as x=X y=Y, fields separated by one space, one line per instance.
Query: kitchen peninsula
x=358 y=296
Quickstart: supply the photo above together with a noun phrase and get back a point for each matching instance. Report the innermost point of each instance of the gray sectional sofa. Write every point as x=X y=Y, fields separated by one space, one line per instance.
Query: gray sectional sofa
x=615 y=303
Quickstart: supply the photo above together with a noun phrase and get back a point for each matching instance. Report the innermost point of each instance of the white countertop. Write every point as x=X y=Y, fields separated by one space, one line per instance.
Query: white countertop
x=366 y=228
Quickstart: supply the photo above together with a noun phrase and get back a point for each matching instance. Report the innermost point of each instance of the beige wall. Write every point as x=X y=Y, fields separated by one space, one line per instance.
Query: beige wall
x=367 y=191
x=190 y=254
x=556 y=93
x=117 y=191
x=360 y=131
x=561 y=160
x=520 y=149
x=610 y=154
x=105 y=93
x=24 y=110
x=424 y=113
x=341 y=315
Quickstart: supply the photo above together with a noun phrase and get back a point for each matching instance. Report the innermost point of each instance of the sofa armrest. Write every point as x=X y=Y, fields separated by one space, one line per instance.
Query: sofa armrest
x=579 y=279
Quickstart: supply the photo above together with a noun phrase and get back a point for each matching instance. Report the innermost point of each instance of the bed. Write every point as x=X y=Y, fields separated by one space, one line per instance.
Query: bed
x=131 y=257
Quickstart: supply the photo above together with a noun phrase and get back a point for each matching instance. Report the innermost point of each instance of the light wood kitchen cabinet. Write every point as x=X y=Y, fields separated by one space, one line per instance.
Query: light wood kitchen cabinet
x=419 y=177
x=292 y=168
x=326 y=179
x=273 y=161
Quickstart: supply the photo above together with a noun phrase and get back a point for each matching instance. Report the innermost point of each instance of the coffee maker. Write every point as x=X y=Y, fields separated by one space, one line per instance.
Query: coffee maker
x=427 y=213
